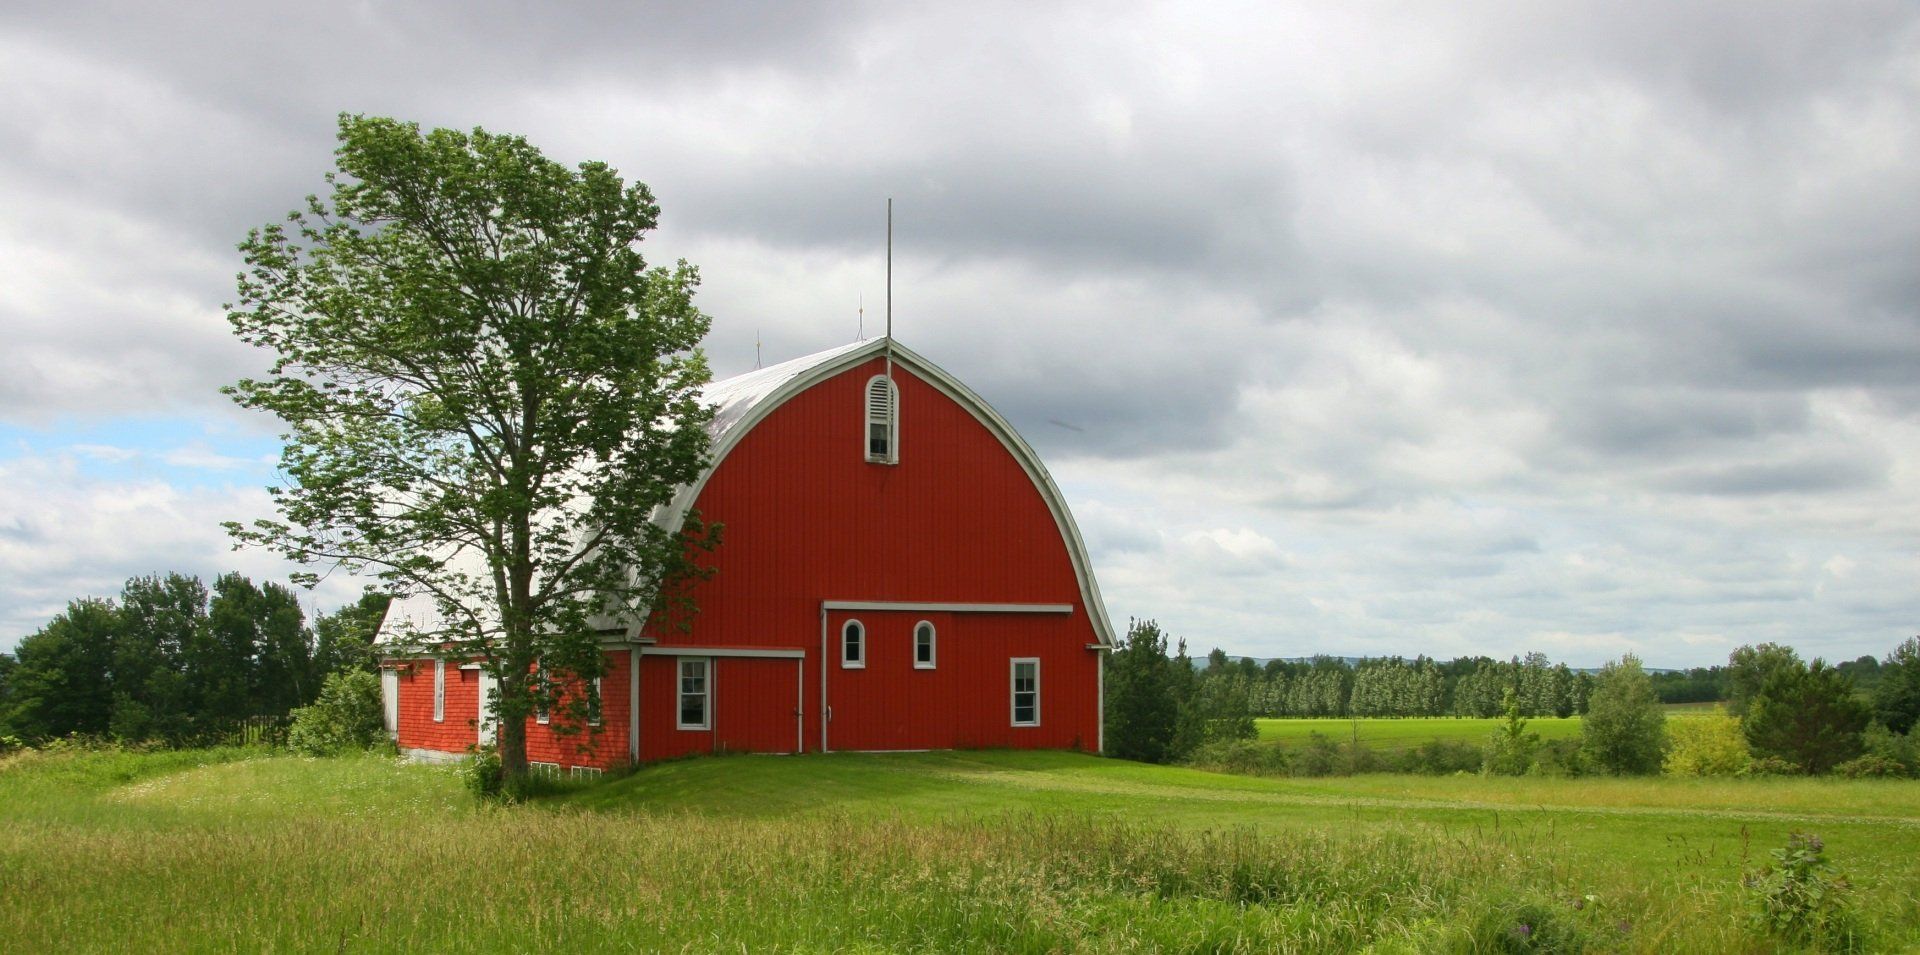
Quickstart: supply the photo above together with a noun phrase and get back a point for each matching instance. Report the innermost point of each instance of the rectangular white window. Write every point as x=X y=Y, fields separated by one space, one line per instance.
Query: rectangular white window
x=695 y=694
x=600 y=702
x=1026 y=691
x=587 y=772
x=439 y=691
x=923 y=646
x=547 y=770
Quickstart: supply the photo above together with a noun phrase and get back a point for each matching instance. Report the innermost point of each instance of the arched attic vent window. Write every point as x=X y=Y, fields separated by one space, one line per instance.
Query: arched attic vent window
x=883 y=420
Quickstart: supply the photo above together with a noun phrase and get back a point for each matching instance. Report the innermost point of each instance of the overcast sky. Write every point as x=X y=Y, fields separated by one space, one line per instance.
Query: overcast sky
x=1347 y=328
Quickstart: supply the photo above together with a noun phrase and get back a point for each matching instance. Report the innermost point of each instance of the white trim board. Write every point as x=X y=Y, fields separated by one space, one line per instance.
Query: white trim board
x=778 y=653
x=883 y=606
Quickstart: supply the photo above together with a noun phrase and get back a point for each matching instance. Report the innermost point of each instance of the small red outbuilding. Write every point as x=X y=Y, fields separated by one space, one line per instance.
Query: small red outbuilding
x=898 y=572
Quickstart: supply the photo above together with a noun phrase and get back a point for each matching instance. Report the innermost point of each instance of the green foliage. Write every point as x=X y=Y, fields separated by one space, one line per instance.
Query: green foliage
x=1625 y=730
x=1896 y=698
x=1439 y=757
x=483 y=775
x=61 y=683
x=1798 y=897
x=1772 y=766
x=1870 y=766
x=1708 y=745
x=486 y=392
x=347 y=716
x=343 y=639
x=1808 y=716
x=1510 y=749
x=1748 y=670
x=1902 y=749
x=1531 y=925
x=1141 y=708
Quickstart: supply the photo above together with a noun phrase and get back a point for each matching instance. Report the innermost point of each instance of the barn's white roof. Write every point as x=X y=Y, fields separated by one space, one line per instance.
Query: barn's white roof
x=742 y=401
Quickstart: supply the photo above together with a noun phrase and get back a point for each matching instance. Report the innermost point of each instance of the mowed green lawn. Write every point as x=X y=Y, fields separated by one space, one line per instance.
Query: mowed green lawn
x=986 y=851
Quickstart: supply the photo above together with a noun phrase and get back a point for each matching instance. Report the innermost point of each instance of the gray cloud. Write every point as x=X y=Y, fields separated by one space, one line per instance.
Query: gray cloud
x=1503 y=327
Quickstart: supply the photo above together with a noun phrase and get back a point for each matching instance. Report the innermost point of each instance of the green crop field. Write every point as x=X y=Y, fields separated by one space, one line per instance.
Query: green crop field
x=985 y=851
x=1389 y=735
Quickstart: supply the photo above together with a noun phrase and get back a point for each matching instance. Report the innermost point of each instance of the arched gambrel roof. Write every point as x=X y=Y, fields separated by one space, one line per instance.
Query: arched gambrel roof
x=744 y=401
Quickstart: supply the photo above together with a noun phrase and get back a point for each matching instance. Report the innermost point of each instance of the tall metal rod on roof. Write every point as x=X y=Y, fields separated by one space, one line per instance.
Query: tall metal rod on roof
x=890 y=297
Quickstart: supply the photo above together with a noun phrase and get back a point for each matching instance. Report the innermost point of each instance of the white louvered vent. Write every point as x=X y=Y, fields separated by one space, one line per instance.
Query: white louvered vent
x=883 y=420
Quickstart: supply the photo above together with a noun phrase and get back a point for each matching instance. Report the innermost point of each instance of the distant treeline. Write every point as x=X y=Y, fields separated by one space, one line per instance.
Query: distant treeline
x=1463 y=686
x=173 y=661
x=1396 y=686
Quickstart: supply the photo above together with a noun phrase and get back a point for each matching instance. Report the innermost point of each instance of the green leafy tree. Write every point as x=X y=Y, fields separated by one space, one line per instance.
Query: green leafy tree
x=1625 y=729
x=1708 y=745
x=6 y=695
x=1511 y=747
x=1809 y=717
x=1896 y=699
x=343 y=639
x=486 y=393
x=159 y=618
x=61 y=679
x=1748 y=670
x=1139 y=695
x=347 y=716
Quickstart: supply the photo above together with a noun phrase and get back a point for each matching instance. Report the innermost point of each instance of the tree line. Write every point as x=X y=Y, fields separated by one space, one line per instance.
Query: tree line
x=1398 y=687
x=1782 y=714
x=173 y=660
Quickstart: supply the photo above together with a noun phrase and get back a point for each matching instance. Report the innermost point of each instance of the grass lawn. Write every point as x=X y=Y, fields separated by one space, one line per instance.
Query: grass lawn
x=986 y=851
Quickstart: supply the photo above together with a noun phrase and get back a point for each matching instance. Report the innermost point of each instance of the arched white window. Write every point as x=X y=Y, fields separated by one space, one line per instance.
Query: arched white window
x=924 y=656
x=883 y=420
x=853 y=645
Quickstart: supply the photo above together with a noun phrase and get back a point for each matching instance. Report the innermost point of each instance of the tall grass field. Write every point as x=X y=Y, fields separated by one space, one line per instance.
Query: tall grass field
x=238 y=850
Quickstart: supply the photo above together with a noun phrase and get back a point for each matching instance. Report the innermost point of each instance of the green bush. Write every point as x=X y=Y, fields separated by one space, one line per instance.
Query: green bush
x=483 y=774
x=1798 y=897
x=1509 y=750
x=1249 y=757
x=1561 y=757
x=1439 y=757
x=1894 y=747
x=346 y=717
x=1624 y=731
x=1772 y=766
x=1871 y=767
x=1712 y=745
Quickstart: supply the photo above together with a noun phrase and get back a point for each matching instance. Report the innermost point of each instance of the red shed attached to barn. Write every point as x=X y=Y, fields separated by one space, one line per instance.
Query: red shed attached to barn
x=898 y=572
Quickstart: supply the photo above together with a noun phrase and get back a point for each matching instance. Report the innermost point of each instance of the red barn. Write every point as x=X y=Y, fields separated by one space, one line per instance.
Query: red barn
x=898 y=572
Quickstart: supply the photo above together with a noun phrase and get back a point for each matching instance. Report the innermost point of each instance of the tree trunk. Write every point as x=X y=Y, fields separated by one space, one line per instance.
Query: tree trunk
x=511 y=736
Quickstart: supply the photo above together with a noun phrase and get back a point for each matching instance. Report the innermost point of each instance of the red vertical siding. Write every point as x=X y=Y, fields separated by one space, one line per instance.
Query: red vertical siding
x=957 y=520
x=416 y=728
x=752 y=707
x=603 y=746
x=966 y=700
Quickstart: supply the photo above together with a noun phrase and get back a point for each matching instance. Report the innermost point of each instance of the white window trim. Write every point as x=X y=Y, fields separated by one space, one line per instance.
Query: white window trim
x=680 y=694
x=548 y=770
x=602 y=714
x=439 y=691
x=1013 y=677
x=933 y=646
x=893 y=421
x=860 y=664
x=540 y=713
x=586 y=772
